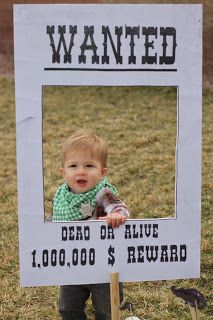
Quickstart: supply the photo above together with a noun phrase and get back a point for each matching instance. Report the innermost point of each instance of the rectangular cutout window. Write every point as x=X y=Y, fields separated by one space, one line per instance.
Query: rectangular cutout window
x=139 y=125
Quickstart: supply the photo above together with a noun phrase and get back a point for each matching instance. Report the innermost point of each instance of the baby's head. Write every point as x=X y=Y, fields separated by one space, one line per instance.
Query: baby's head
x=85 y=143
x=84 y=158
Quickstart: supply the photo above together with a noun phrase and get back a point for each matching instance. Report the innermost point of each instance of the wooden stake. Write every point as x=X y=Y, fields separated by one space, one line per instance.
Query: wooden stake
x=114 y=296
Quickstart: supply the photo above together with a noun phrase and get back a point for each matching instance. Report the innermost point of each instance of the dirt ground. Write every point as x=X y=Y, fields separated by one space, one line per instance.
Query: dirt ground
x=6 y=65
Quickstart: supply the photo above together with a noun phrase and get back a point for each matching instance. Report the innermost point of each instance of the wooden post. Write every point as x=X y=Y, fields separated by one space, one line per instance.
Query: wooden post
x=114 y=296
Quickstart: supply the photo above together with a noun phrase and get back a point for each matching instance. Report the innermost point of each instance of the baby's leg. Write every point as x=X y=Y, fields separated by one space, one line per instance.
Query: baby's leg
x=100 y=294
x=73 y=301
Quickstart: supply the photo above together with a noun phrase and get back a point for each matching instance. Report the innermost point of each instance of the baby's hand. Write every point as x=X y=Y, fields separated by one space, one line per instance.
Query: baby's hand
x=114 y=219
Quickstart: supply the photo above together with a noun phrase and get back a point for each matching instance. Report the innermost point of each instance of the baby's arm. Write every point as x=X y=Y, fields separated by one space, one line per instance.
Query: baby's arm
x=115 y=209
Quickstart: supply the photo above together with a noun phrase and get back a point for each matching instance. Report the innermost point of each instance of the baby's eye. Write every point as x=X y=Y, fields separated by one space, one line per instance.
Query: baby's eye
x=90 y=165
x=72 y=166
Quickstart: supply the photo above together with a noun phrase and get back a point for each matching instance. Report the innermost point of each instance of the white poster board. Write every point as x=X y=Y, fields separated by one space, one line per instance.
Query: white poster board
x=108 y=45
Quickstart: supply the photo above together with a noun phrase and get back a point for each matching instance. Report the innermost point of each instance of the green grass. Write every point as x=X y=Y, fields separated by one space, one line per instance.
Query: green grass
x=140 y=127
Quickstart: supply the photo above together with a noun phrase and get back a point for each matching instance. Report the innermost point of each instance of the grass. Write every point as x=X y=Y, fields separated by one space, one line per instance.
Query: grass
x=140 y=127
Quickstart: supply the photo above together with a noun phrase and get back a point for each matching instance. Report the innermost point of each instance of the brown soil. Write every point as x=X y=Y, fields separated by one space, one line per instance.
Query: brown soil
x=6 y=65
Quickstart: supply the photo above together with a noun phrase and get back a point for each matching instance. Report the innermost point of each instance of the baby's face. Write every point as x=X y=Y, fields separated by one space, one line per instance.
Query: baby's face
x=81 y=171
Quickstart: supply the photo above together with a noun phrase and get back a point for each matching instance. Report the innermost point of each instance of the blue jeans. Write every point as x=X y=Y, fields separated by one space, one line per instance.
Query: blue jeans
x=73 y=299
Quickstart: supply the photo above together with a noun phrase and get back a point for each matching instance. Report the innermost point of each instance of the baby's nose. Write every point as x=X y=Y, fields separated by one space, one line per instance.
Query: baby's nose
x=81 y=170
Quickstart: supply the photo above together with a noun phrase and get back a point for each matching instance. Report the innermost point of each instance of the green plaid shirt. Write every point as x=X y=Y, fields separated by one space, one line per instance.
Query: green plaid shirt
x=70 y=206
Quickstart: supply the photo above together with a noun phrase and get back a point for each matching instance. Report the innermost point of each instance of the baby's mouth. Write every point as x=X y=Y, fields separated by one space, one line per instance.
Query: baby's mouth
x=81 y=182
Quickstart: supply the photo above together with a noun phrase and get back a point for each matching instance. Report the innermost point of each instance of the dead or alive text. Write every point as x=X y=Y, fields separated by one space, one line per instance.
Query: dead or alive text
x=80 y=44
x=163 y=253
x=131 y=231
x=76 y=233
x=142 y=230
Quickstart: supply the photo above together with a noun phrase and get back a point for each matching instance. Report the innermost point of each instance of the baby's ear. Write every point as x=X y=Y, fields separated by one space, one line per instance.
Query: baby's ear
x=62 y=171
x=104 y=171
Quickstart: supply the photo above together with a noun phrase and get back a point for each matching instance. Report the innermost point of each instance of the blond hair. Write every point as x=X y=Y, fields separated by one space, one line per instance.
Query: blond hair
x=88 y=142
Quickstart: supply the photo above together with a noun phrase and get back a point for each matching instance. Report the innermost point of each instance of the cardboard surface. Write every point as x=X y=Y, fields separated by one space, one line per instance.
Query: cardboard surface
x=108 y=45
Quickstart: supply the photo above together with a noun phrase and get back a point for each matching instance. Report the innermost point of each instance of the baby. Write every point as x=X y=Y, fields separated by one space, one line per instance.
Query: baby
x=86 y=194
